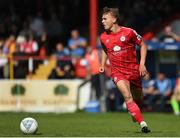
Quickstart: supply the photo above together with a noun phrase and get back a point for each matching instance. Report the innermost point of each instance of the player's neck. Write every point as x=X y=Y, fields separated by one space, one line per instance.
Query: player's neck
x=115 y=28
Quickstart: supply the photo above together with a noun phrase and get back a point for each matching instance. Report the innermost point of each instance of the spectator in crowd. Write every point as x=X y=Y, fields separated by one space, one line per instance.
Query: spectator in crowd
x=164 y=88
x=9 y=46
x=61 y=51
x=30 y=46
x=93 y=64
x=77 y=44
x=12 y=44
x=148 y=86
x=25 y=47
x=175 y=99
x=157 y=92
x=169 y=36
x=150 y=94
x=64 y=67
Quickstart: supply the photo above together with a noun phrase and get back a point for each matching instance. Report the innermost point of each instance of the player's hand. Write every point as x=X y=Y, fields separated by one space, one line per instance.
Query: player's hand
x=142 y=70
x=147 y=76
x=101 y=69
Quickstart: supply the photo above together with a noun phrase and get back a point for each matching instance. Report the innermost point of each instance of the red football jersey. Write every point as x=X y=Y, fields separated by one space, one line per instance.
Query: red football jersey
x=120 y=48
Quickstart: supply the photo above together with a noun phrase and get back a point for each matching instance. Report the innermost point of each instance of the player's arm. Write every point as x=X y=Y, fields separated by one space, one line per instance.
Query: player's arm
x=143 y=53
x=137 y=39
x=103 y=59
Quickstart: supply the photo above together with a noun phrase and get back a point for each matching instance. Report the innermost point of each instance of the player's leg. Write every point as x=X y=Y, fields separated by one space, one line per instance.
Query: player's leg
x=132 y=107
x=175 y=104
x=134 y=110
x=137 y=95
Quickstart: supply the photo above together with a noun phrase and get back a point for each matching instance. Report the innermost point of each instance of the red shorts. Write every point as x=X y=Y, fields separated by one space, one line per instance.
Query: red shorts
x=133 y=79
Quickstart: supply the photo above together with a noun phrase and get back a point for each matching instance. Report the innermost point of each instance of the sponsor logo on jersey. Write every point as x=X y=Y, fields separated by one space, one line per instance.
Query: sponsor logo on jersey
x=123 y=38
x=116 y=48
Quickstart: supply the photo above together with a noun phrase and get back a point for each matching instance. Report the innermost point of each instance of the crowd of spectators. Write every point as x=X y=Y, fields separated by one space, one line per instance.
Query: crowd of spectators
x=37 y=29
x=157 y=92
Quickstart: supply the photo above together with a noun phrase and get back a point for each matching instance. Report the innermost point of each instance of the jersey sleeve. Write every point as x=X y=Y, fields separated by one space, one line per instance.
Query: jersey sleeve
x=136 y=38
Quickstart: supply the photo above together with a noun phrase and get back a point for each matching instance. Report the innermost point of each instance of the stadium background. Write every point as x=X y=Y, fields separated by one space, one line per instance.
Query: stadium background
x=27 y=82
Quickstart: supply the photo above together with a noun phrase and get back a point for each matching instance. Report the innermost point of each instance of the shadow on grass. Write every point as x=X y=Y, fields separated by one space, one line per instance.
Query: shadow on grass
x=158 y=133
x=38 y=134
x=152 y=132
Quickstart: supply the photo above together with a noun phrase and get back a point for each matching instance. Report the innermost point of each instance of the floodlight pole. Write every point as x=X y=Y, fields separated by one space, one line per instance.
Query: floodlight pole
x=93 y=10
x=93 y=22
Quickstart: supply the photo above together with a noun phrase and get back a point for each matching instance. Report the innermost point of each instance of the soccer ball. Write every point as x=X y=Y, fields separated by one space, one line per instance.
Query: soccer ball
x=29 y=125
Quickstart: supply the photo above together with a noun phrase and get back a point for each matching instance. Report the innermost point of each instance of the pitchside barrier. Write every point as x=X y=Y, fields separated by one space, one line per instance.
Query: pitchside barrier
x=43 y=95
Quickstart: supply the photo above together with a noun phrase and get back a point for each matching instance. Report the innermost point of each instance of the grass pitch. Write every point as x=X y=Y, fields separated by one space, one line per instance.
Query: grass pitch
x=90 y=125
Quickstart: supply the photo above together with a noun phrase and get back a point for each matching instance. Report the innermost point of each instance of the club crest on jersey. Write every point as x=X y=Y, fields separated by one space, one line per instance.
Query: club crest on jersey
x=107 y=41
x=117 y=48
x=123 y=38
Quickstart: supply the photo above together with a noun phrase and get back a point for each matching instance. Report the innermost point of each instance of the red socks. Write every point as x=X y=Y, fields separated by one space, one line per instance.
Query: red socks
x=135 y=111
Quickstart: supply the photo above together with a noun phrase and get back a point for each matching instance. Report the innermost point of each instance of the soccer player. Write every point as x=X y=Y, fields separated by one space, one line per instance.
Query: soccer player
x=118 y=44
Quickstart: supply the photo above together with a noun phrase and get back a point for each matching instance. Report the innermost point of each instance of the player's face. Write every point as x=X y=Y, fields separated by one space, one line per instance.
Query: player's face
x=108 y=21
